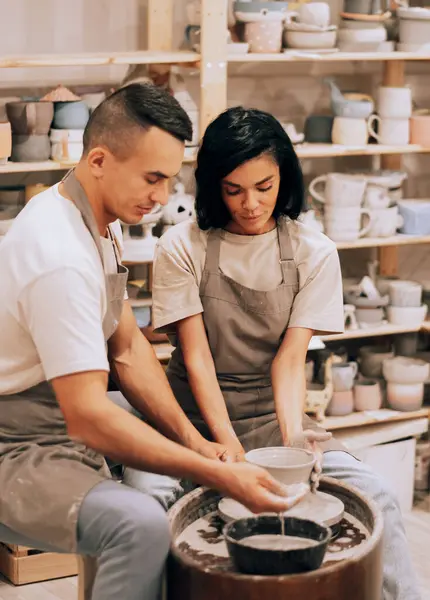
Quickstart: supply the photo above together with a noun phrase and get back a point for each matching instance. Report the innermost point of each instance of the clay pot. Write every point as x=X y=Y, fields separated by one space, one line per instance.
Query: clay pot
x=367 y=395
x=30 y=118
x=341 y=404
x=30 y=148
x=371 y=359
x=405 y=397
x=71 y=115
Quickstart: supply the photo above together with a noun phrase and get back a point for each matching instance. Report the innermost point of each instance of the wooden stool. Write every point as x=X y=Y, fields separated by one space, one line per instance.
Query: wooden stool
x=87 y=568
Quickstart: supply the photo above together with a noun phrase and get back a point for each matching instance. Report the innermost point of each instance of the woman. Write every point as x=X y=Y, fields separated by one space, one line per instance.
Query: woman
x=243 y=290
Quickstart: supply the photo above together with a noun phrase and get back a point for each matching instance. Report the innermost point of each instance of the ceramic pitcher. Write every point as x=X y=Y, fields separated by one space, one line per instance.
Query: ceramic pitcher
x=343 y=376
x=340 y=189
x=30 y=118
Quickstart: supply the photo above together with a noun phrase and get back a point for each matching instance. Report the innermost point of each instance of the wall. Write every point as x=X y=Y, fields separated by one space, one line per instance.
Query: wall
x=292 y=92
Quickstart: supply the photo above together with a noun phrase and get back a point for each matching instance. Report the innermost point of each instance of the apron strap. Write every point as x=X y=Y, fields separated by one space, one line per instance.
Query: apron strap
x=285 y=250
x=213 y=251
x=78 y=196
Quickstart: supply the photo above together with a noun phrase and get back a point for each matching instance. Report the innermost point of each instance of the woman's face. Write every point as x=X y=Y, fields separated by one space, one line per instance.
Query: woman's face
x=250 y=193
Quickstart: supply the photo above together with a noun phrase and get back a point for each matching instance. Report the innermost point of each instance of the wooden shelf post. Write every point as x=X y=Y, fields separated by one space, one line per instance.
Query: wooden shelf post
x=393 y=76
x=160 y=24
x=213 y=50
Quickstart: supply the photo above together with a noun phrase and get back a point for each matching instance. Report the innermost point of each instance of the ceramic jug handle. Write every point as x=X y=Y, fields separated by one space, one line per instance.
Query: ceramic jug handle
x=367 y=228
x=370 y=127
x=354 y=366
x=30 y=116
x=313 y=185
x=400 y=221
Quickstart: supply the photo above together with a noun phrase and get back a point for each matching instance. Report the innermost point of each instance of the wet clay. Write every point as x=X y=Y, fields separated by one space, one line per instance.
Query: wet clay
x=277 y=542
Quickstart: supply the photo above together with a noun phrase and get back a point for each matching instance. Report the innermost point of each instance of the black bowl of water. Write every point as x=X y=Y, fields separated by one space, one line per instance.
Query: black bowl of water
x=257 y=546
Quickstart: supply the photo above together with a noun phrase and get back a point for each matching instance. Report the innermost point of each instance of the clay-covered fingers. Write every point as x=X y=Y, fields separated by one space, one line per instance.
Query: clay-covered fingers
x=317 y=436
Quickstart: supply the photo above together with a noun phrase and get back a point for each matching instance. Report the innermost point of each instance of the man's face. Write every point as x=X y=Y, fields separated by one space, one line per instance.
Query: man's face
x=132 y=186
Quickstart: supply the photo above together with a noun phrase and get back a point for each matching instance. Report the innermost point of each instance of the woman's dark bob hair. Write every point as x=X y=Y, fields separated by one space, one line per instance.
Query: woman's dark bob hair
x=233 y=138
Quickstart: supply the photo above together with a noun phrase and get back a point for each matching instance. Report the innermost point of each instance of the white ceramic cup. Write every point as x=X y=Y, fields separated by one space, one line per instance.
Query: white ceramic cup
x=395 y=102
x=314 y=13
x=349 y=132
x=385 y=222
x=340 y=189
x=392 y=132
x=376 y=197
x=343 y=224
x=405 y=293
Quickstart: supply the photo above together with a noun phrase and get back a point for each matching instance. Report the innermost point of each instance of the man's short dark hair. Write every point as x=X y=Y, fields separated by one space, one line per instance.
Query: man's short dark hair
x=133 y=107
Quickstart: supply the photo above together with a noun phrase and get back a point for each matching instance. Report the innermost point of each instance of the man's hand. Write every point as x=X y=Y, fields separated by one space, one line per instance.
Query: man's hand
x=257 y=490
x=310 y=439
x=228 y=452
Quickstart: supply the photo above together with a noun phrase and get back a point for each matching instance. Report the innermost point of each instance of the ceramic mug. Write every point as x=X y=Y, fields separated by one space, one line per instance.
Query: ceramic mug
x=342 y=224
x=376 y=197
x=395 y=102
x=350 y=132
x=314 y=13
x=372 y=358
x=392 y=132
x=339 y=189
x=405 y=293
x=341 y=404
x=385 y=222
x=367 y=395
x=318 y=129
x=343 y=375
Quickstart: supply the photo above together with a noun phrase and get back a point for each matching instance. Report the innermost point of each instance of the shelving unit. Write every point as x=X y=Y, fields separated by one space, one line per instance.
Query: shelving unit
x=213 y=62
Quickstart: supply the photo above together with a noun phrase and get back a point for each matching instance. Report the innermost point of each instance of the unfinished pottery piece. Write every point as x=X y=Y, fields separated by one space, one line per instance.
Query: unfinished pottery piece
x=287 y=465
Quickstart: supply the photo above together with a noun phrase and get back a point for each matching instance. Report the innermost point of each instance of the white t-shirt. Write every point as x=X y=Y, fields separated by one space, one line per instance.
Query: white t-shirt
x=52 y=294
x=252 y=261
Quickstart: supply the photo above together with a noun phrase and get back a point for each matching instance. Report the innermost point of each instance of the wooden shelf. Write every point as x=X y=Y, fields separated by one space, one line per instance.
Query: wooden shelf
x=425 y=327
x=96 y=59
x=388 y=329
x=331 y=150
x=140 y=302
x=396 y=240
x=297 y=56
x=372 y=417
x=50 y=165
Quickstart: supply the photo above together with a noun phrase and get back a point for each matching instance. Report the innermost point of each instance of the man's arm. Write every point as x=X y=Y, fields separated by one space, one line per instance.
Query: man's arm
x=143 y=382
x=95 y=421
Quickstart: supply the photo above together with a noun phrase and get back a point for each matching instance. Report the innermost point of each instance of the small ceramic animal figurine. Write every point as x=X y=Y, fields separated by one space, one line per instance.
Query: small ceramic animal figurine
x=179 y=208
x=318 y=396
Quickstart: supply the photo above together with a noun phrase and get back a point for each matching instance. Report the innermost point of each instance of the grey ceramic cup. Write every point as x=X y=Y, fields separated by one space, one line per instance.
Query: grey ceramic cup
x=30 y=118
x=318 y=129
x=30 y=148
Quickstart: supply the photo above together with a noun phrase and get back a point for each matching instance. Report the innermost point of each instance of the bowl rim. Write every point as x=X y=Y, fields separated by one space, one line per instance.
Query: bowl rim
x=311 y=456
x=228 y=526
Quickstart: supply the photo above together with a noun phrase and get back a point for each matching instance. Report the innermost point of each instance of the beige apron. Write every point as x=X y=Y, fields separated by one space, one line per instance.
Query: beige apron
x=245 y=328
x=44 y=475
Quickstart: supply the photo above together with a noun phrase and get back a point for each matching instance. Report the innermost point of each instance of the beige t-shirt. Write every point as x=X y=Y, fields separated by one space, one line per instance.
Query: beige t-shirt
x=252 y=261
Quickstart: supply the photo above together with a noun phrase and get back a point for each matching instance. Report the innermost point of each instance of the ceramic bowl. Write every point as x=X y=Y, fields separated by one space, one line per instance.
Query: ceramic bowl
x=406 y=315
x=257 y=561
x=308 y=40
x=370 y=316
x=405 y=397
x=363 y=36
x=405 y=370
x=287 y=465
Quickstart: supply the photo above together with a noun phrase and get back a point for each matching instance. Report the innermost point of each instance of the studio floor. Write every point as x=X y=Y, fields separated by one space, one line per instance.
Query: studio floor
x=417 y=526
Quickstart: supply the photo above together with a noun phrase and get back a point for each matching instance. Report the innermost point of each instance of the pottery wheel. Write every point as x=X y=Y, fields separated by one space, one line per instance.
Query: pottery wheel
x=324 y=508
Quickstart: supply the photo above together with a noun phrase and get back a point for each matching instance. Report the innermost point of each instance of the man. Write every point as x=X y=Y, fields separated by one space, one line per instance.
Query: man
x=61 y=300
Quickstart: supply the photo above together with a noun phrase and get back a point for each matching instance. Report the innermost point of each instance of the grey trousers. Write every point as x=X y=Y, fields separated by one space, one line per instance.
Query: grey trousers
x=399 y=578
x=127 y=532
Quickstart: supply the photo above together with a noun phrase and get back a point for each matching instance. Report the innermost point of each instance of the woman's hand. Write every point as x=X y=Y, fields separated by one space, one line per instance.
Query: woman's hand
x=310 y=439
x=228 y=452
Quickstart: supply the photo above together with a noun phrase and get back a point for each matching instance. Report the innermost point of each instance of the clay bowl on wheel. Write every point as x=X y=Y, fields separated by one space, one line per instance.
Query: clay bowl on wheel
x=287 y=465
x=303 y=545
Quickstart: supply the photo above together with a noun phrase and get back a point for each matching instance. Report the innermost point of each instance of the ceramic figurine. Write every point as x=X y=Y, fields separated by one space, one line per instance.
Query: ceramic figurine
x=179 y=208
x=318 y=396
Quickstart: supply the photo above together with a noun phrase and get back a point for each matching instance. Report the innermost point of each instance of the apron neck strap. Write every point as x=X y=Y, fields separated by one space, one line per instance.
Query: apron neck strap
x=285 y=248
x=78 y=196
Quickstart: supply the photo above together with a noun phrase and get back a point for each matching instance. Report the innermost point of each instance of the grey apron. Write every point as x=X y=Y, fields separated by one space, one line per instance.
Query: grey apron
x=245 y=328
x=44 y=475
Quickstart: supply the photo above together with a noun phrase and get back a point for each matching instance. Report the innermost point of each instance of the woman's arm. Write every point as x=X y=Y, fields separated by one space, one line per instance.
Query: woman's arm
x=204 y=383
